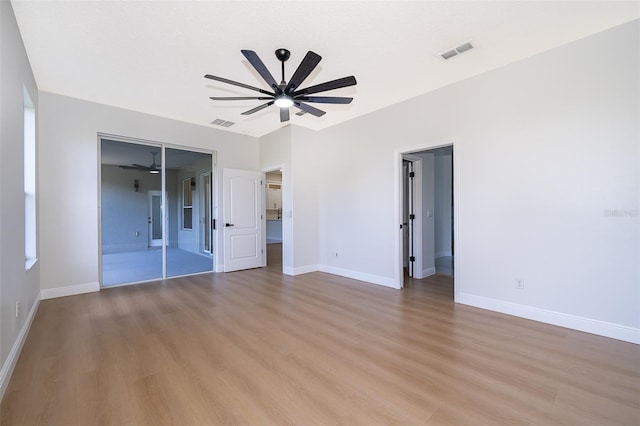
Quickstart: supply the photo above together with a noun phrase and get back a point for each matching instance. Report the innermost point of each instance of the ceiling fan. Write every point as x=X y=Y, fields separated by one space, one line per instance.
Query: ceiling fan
x=153 y=168
x=285 y=95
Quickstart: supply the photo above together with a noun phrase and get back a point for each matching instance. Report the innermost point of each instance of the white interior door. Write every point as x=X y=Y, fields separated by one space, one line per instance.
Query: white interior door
x=242 y=196
x=155 y=218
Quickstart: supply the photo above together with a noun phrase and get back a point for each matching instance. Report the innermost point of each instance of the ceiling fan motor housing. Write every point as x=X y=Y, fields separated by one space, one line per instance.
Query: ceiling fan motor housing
x=282 y=54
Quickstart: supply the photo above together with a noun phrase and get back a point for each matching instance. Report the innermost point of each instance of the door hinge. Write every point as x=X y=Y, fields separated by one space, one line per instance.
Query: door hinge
x=412 y=216
x=412 y=174
x=412 y=258
x=213 y=224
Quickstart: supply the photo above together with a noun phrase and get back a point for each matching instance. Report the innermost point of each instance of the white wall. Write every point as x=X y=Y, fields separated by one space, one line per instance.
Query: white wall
x=69 y=173
x=293 y=149
x=16 y=285
x=307 y=173
x=546 y=148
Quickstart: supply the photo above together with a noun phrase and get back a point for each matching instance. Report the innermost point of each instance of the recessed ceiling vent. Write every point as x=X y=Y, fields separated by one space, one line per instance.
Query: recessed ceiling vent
x=465 y=47
x=223 y=123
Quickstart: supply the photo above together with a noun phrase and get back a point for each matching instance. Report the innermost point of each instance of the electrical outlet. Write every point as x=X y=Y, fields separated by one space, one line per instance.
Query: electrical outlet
x=520 y=284
x=17 y=309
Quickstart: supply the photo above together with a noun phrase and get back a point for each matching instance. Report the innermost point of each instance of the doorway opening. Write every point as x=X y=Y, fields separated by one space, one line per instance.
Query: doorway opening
x=273 y=218
x=155 y=211
x=444 y=210
x=426 y=213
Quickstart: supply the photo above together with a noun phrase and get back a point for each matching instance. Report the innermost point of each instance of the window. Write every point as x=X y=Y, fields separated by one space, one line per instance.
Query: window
x=30 y=221
x=187 y=204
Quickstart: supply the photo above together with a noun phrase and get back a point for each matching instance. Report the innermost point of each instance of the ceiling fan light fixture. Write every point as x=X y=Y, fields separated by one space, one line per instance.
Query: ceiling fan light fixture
x=284 y=101
x=154 y=171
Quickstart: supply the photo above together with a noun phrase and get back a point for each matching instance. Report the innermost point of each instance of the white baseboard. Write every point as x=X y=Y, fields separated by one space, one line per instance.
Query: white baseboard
x=445 y=253
x=14 y=354
x=303 y=269
x=287 y=270
x=220 y=268
x=70 y=290
x=374 y=279
x=601 y=328
x=428 y=272
x=361 y=276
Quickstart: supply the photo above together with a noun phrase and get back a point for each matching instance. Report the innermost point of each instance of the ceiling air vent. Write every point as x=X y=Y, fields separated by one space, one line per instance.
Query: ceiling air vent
x=223 y=123
x=465 y=47
x=449 y=54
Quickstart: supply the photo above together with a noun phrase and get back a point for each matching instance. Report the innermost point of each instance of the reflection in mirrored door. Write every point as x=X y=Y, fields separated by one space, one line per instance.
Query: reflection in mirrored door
x=155 y=218
x=131 y=226
x=207 y=229
x=135 y=214
x=190 y=248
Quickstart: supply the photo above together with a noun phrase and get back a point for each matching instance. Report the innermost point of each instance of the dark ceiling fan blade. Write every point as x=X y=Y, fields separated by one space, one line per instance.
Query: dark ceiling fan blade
x=258 y=108
x=284 y=114
x=140 y=166
x=329 y=85
x=325 y=99
x=239 y=98
x=255 y=61
x=235 y=83
x=308 y=64
x=311 y=110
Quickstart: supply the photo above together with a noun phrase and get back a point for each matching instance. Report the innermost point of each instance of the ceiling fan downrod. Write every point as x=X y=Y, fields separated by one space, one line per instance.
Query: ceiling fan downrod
x=282 y=55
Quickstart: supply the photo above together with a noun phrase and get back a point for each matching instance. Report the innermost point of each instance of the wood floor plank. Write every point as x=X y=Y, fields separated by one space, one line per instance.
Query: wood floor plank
x=257 y=347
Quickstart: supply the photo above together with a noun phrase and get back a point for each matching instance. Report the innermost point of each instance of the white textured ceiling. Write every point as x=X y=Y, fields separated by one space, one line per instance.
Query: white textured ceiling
x=151 y=56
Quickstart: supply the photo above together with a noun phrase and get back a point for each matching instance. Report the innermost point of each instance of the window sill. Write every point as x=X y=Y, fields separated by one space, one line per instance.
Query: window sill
x=30 y=263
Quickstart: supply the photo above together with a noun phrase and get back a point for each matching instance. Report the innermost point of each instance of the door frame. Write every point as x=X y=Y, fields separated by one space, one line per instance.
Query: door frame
x=454 y=142
x=416 y=228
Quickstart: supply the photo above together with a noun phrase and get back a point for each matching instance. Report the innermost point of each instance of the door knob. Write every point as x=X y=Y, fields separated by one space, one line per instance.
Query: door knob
x=228 y=224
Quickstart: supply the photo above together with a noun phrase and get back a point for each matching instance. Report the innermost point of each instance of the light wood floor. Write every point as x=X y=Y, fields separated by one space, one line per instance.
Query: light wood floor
x=257 y=348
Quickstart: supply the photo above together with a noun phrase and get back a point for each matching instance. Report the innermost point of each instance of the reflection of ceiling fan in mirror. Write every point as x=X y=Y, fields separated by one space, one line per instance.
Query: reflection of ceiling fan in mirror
x=153 y=168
